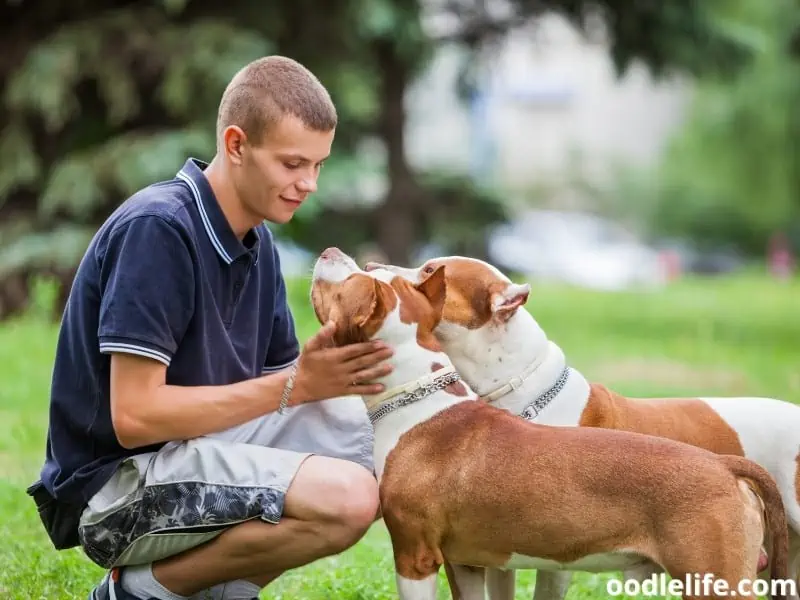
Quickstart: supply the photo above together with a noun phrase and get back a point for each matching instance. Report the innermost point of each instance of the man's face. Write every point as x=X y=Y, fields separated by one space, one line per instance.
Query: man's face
x=275 y=177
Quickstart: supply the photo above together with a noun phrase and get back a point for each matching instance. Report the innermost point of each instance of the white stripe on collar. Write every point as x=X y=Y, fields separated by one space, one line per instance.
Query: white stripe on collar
x=215 y=241
x=515 y=382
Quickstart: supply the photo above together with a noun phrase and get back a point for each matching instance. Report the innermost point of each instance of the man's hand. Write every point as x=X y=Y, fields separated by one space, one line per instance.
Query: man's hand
x=325 y=371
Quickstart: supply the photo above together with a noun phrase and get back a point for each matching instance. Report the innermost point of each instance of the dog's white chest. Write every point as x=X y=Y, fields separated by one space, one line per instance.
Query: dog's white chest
x=593 y=563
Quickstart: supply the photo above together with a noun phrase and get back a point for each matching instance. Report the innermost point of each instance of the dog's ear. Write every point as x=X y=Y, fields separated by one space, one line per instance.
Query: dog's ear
x=434 y=288
x=366 y=307
x=376 y=300
x=505 y=303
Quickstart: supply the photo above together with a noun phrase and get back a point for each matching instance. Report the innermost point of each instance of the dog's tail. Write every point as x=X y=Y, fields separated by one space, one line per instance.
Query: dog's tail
x=766 y=488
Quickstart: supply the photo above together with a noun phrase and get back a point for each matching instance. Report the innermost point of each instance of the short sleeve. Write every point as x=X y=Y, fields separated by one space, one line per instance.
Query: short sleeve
x=284 y=347
x=147 y=289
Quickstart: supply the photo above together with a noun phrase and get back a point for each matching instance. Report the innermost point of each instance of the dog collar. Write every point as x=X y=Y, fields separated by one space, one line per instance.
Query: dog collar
x=515 y=383
x=402 y=395
x=530 y=412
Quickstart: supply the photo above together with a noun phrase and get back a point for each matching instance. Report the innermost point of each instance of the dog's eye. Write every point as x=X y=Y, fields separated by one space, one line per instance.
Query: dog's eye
x=428 y=269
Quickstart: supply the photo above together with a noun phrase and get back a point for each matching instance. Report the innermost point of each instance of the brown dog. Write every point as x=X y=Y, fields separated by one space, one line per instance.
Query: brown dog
x=472 y=484
x=505 y=356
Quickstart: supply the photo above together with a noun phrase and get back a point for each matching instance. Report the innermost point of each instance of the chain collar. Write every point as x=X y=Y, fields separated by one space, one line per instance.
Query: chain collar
x=532 y=410
x=423 y=388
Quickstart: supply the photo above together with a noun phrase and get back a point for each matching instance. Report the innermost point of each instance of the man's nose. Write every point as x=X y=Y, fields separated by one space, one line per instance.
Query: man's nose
x=307 y=185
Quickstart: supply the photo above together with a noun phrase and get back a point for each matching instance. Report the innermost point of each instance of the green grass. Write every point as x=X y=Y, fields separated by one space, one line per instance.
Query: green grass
x=726 y=336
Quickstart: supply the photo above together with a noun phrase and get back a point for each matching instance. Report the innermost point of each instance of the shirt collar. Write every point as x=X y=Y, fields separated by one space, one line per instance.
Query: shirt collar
x=219 y=231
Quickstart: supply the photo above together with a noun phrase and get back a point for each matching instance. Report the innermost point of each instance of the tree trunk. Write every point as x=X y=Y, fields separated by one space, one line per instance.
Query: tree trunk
x=395 y=219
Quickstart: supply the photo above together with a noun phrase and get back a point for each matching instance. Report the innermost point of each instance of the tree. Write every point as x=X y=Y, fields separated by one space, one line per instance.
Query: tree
x=103 y=97
x=731 y=176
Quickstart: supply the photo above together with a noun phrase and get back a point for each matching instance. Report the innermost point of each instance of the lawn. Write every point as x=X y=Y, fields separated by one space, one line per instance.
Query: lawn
x=724 y=337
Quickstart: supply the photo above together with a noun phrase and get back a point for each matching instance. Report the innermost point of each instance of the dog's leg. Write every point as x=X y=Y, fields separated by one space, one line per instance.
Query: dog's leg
x=643 y=572
x=501 y=585
x=468 y=583
x=417 y=589
x=551 y=585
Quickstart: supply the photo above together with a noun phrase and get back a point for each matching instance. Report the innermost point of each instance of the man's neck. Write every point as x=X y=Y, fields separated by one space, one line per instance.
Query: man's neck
x=227 y=198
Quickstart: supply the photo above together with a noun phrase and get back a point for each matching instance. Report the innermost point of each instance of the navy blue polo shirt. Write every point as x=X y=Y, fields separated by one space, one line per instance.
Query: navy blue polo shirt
x=166 y=278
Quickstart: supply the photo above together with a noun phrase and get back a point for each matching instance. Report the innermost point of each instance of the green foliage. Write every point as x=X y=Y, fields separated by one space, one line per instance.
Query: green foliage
x=732 y=174
x=58 y=249
x=680 y=35
x=121 y=165
x=20 y=165
x=44 y=298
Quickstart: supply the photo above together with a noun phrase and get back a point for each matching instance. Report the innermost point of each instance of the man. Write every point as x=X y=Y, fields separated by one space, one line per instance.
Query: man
x=166 y=448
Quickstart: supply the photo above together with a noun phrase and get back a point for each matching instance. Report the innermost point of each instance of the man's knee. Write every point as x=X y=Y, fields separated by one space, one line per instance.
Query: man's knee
x=339 y=495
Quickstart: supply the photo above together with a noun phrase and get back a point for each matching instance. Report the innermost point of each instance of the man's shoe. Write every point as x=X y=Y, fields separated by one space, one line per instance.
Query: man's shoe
x=110 y=588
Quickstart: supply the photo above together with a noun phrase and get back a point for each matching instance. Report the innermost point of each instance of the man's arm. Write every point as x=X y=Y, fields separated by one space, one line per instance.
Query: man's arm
x=145 y=410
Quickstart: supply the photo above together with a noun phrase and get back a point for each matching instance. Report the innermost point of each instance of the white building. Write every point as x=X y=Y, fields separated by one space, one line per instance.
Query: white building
x=550 y=108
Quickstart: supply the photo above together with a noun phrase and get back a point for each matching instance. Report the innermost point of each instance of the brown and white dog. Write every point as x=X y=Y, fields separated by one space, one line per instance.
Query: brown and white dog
x=471 y=484
x=503 y=354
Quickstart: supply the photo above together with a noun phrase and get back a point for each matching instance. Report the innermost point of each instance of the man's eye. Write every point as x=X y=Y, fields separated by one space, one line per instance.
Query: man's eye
x=291 y=165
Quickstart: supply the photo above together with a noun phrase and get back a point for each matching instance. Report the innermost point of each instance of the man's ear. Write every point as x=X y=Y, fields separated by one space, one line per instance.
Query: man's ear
x=234 y=138
x=504 y=304
x=434 y=288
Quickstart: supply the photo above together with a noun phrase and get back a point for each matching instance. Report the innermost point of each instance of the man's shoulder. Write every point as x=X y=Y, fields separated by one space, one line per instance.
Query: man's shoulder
x=167 y=200
x=162 y=206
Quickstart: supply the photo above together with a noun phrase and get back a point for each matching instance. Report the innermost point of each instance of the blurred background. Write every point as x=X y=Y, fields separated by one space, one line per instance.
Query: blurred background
x=637 y=161
x=605 y=144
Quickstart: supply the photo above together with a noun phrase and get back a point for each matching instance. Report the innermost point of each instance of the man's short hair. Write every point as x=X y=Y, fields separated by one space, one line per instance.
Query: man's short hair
x=269 y=88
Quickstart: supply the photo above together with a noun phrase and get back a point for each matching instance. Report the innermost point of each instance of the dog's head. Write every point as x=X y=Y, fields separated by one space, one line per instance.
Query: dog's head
x=478 y=295
x=377 y=304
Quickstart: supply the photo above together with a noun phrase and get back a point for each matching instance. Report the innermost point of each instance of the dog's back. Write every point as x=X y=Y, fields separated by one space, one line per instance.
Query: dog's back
x=538 y=484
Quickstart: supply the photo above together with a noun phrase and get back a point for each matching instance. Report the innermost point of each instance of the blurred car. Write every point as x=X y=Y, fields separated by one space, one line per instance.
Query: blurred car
x=706 y=261
x=580 y=249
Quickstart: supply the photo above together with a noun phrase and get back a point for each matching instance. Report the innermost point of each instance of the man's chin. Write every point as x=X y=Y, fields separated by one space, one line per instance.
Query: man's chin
x=280 y=217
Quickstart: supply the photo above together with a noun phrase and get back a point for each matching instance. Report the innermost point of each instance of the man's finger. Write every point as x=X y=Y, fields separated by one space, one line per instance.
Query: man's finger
x=368 y=360
x=352 y=351
x=323 y=338
x=373 y=373
x=366 y=389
